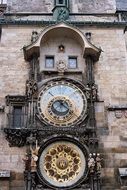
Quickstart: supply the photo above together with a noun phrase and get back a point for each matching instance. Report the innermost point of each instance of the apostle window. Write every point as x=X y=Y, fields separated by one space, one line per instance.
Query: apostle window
x=49 y=62
x=72 y=62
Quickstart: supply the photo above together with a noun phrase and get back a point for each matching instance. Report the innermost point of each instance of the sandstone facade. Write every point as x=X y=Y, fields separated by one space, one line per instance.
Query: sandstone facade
x=110 y=77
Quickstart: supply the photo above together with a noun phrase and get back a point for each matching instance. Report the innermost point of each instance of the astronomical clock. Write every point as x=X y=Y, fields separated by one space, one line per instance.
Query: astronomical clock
x=62 y=106
x=58 y=119
x=62 y=103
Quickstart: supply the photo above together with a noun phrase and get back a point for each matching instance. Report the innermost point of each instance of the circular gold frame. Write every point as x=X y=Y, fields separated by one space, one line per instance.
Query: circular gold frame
x=73 y=117
x=62 y=164
x=60 y=119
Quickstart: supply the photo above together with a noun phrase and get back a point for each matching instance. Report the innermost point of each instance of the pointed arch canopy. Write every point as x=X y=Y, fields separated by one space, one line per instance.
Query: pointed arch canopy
x=59 y=29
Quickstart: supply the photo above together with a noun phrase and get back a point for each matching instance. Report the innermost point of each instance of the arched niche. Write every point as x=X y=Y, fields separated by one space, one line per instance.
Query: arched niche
x=73 y=40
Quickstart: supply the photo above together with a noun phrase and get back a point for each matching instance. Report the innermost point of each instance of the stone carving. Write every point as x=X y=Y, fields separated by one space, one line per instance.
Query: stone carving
x=91 y=91
x=98 y=163
x=31 y=87
x=94 y=163
x=62 y=14
x=118 y=114
x=34 y=157
x=27 y=162
x=91 y=163
x=61 y=67
x=16 y=137
x=94 y=91
x=34 y=36
x=12 y=99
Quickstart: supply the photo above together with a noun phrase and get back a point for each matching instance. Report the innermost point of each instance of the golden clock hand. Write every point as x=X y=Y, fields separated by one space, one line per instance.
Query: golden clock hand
x=68 y=108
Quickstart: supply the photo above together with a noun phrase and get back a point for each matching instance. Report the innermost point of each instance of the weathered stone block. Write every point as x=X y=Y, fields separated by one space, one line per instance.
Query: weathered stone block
x=17 y=183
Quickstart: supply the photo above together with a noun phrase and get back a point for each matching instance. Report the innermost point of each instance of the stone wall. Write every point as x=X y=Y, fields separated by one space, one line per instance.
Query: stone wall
x=79 y=6
x=110 y=76
x=13 y=75
x=93 y=6
x=30 y=6
x=54 y=42
x=126 y=39
x=121 y=5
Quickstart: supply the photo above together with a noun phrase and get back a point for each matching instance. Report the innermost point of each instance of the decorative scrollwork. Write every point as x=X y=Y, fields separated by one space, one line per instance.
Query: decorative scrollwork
x=124 y=16
x=62 y=14
x=11 y=99
x=16 y=137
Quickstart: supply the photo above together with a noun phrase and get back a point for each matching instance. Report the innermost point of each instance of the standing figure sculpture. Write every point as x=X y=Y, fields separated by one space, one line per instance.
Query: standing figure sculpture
x=34 y=157
x=98 y=163
x=91 y=163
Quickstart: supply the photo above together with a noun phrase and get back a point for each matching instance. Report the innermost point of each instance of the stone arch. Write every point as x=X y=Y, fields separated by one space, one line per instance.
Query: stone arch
x=88 y=48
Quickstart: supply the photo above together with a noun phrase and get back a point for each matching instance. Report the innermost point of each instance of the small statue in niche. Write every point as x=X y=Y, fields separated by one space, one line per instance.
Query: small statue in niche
x=61 y=67
x=31 y=87
x=88 y=90
x=94 y=92
x=98 y=163
x=34 y=36
x=34 y=157
x=91 y=163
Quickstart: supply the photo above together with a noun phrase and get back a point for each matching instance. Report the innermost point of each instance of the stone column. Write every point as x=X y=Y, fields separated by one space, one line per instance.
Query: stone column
x=91 y=86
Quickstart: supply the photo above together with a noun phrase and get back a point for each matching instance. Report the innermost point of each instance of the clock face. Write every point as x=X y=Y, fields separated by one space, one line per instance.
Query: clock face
x=62 y=103
x=62 y=164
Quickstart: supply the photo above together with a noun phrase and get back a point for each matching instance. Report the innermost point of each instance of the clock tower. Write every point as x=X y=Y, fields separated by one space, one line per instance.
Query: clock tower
x=64 y=109
x=63 y=99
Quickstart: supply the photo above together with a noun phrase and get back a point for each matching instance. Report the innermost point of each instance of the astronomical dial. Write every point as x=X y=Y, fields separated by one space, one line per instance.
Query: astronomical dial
x=62 y=103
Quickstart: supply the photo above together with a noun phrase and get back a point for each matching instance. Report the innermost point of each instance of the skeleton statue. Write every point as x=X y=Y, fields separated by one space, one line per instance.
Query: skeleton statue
x=98 y=163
